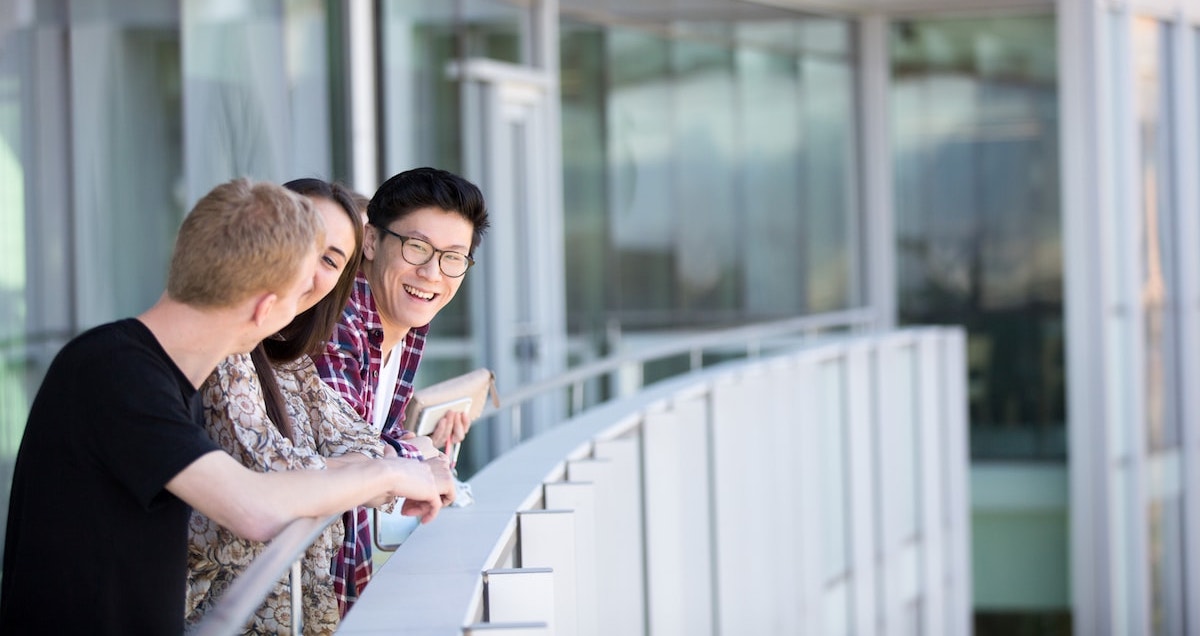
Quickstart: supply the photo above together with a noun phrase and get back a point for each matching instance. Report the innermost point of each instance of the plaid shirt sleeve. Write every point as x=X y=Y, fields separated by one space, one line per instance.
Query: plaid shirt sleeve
x=346 y=357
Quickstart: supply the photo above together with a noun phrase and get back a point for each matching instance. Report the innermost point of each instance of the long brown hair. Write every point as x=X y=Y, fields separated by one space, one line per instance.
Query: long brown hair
x=307 y=333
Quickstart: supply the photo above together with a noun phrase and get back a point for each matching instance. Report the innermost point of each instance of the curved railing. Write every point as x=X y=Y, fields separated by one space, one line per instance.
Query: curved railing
x=448 y=576
x=246 y=594
x=822 y=490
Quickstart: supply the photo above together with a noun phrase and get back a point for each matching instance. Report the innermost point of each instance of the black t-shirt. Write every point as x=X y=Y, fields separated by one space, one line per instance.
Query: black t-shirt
x=95 y=543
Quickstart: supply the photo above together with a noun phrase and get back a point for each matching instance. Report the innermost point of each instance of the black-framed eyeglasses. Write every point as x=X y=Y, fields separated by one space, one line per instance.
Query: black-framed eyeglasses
x=418 y=252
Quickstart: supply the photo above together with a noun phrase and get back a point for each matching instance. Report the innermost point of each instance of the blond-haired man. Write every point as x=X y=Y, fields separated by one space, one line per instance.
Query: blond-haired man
x=114 y=454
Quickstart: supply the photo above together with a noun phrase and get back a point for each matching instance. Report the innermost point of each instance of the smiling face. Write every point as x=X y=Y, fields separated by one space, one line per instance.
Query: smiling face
x=410 y=295
x=331 y=262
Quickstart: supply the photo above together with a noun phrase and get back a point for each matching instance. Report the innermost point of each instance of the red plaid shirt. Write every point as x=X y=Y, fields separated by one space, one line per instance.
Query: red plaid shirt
x=351 y=364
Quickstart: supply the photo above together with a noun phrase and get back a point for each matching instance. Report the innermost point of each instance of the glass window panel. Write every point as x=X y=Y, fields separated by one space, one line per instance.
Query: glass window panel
x=126 y=146
x=496 y=30
x=769 y=88
x=1166 y=559
x=582 y=49
x=640 y=153
x=826 y=35
x=728 y=150
x=256 y=80
x=309 y=94
x=829 y=191
x=420 y=103
x=1152 y=62
x=237 y=119
x=704 y=155
x=19 y=374
x=975 y=134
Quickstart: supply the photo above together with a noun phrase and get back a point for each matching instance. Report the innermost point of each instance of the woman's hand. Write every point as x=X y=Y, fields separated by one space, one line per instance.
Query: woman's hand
x=425 y=505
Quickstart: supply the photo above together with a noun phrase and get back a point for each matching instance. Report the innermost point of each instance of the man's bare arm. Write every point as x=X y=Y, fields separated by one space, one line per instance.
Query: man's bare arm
x=257 y=505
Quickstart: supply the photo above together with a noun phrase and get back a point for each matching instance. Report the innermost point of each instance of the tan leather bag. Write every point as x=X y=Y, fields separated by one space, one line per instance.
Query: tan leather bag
x=467 y=392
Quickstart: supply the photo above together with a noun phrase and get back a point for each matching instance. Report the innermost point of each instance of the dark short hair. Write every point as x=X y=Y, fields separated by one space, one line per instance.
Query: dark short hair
x=421 y=188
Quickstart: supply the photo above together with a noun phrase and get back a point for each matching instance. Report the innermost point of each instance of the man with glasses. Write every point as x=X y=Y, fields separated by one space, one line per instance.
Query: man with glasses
x=423 y=227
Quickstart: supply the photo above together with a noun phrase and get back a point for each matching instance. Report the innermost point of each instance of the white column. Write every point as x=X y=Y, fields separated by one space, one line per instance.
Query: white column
x=878 y=205
x=364 y=126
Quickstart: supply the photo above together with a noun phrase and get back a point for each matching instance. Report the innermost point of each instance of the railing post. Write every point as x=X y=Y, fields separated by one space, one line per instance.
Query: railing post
x=507 y=629
x=519 y=595
x=620 y=550
x=679 y=588
x=546 y=539
x=297 y=594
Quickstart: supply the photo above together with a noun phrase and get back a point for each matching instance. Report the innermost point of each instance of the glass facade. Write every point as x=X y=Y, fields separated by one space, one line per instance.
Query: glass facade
x=707 y=180
x=978 y=240
x=256 y=80
x=114 y=118
x=1158 y=293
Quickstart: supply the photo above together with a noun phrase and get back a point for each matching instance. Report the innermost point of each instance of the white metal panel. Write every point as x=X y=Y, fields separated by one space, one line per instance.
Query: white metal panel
x=547 y=540
x=675 y=465
x=732 y=414
x=808 y=464
x=520 y=595
x=892 y=464
x=580 y=498
x=785 y=412
x=861 y=402
x=605 y=551
x=932 y=480
x=743 y=507
x=954 y=407
x=619 y=548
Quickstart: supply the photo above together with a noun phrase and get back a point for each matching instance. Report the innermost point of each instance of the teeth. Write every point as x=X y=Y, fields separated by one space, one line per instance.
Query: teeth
x=418 y=293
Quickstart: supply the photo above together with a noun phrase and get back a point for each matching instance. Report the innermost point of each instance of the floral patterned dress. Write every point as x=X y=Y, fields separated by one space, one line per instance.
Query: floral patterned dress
x=236 y=418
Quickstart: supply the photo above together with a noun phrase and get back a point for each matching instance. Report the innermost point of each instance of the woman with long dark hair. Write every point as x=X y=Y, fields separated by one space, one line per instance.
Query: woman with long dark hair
x=270 y=410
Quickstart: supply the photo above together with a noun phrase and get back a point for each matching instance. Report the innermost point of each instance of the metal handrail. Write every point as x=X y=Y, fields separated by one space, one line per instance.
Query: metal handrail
x=751 y=335
x=246 y=593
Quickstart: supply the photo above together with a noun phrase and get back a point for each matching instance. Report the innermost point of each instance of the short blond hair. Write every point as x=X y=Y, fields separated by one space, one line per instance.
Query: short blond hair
x=240 y=239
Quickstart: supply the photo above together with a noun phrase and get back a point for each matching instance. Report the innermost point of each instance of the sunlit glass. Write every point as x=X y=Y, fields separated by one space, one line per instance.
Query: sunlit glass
x=418 y=252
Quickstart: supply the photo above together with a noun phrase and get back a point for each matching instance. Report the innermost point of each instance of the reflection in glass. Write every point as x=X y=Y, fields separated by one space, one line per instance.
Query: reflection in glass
x=256 y=79
x=16 y=374
x=727 y=150
x=977 y=215
x=126 y=111
x=1152 y=64
x=1165 y=523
